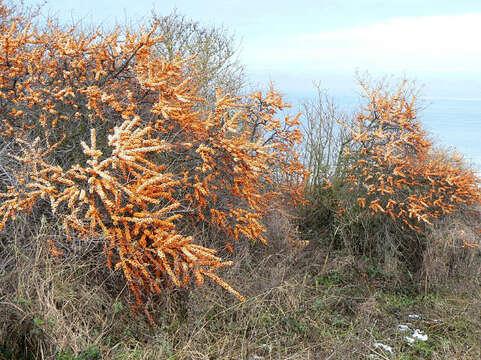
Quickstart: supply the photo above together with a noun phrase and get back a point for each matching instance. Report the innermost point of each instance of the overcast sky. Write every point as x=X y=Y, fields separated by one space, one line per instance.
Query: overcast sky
x=295 y=42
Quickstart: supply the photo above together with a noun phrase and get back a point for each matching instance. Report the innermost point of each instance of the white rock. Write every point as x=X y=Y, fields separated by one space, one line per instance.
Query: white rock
x=403 y=328
x=384 y=347
x=414 y=316
x=409 y=339
x=420 y=335
x=417 y=335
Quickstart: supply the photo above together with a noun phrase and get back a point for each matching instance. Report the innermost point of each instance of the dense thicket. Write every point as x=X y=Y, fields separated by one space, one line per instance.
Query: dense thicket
x=110 y=132
x=129 y=137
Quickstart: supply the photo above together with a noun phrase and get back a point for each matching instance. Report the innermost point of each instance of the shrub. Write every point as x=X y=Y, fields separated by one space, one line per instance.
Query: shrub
x=387 y=187
x=155 y=166
x=395 y=176
x=324 y=143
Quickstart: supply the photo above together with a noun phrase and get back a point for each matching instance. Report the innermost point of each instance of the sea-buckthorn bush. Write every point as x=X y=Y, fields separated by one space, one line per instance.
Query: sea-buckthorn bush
x=110 y=134
x=398 y=177
x=383 y=183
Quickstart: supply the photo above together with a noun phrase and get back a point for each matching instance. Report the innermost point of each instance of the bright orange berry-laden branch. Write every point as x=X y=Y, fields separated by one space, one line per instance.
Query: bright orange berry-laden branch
x=117 y=140
x=394 y=169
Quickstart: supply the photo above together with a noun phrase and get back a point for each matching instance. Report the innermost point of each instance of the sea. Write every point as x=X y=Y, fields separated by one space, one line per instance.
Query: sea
x=451 y=123
x=455 y=123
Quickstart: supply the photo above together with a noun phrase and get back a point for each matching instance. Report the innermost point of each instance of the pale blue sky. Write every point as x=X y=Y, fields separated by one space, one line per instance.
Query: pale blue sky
x=296 y=42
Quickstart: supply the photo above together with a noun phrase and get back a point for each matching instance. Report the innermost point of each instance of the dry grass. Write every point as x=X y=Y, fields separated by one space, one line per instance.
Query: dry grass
x=75 y=308
x=446 y=257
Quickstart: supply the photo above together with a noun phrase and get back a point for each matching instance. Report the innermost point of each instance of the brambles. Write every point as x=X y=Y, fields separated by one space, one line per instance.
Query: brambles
x=155 y=161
